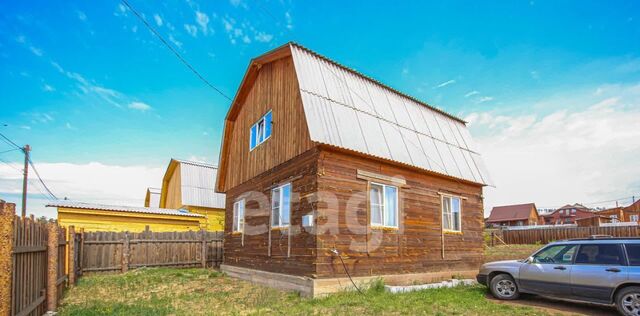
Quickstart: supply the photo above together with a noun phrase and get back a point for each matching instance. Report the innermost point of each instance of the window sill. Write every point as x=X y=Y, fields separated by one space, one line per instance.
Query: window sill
x=453 y=232
x=391 y=228
x=236 y=233
x=279 y=227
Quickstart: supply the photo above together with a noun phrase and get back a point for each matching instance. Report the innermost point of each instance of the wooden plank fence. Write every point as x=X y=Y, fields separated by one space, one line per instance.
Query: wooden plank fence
x=547 y=235
x=111 y=251
x=32 y=264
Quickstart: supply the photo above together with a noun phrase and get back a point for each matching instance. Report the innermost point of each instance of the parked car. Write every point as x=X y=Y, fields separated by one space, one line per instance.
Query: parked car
x=601 y=270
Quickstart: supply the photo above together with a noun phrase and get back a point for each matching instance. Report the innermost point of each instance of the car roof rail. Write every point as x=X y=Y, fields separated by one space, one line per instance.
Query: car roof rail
x=596 y=237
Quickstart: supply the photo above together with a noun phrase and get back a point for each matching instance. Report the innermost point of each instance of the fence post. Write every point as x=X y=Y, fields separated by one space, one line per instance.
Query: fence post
x=52 y=266
x=493 y=239
x=71 y=259
x=125 y=253
x=7 y=214
x=203 y=236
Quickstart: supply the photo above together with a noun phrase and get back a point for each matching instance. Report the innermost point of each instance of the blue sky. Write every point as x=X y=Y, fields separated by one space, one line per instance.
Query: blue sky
x=85 y=84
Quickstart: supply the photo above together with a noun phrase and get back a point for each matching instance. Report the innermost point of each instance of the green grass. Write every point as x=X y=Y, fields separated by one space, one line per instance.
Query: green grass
x=206 y=292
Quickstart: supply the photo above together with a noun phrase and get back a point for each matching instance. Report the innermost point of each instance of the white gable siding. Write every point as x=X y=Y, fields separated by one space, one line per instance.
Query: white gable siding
x=350 y=111
x=198 y=185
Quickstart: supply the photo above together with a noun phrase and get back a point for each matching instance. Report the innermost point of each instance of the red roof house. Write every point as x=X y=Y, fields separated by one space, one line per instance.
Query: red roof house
x=514 y=215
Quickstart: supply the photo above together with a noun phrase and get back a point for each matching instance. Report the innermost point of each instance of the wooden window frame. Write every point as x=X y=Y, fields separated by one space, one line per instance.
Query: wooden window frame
x=384 y=206
x=450 y=196
x=281 y=195
x=262 y=119
x=237 y=224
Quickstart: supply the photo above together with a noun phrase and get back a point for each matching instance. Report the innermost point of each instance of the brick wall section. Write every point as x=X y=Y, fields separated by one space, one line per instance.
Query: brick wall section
x=7 y=213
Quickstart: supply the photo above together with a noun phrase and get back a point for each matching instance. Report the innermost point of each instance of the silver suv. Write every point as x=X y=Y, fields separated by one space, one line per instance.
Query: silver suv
x=601 y=270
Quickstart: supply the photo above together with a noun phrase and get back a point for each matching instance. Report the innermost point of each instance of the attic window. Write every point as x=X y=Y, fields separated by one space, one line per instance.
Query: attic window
x=260 y=131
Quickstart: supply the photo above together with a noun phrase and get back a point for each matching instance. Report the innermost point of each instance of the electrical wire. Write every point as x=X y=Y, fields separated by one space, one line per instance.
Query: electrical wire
x=175 y=52
x=10 y=150
x=10 y=165
x=33 y=166
x=10 y=142
x=335 y=251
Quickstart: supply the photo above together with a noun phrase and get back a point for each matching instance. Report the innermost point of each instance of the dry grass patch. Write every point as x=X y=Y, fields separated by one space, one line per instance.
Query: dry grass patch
x=509 y=252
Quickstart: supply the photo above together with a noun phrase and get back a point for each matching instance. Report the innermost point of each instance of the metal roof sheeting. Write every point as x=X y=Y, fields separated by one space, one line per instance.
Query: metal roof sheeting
x=348 y=110
x=120 y=208
x=198 y=182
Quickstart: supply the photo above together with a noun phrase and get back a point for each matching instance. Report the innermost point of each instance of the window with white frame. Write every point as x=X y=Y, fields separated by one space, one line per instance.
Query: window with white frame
x=634 y=218
x=383 y=204
x=614 y=218
x=238 y=216
x=451 y=210
x=260 y=131
x=281 y=205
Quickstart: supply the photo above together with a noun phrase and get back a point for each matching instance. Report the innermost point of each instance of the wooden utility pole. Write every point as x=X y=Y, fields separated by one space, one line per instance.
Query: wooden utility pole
x=26 y=149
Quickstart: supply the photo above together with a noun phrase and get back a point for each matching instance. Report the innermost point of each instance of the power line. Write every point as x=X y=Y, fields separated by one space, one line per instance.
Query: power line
x=33 y=166
x=175 y=52
x=10 y=150
x=9 y=164
x=10 y=142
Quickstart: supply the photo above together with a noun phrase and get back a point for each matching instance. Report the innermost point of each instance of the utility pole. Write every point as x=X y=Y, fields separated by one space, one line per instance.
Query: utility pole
x=26 y=150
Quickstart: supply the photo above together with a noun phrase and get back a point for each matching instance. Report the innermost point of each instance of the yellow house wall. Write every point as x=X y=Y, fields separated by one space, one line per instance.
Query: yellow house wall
x=214 y=217
x=99 y=220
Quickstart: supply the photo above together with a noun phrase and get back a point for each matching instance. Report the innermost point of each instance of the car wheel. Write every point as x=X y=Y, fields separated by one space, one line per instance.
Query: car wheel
x=628 y=301
x=503 y=287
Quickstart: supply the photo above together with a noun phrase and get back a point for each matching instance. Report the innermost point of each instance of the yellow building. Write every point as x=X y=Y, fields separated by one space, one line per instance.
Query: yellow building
x=190 y=186
x=100 y=217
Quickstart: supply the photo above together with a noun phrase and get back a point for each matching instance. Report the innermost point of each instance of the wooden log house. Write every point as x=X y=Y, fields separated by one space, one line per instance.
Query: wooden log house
x=321 y=164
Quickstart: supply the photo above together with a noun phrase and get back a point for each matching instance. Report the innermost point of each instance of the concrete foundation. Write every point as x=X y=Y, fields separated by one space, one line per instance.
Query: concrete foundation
x=311 y=287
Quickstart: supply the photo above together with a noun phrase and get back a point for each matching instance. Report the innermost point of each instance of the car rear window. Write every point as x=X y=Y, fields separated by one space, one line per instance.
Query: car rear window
x=633 y=253
x=604 y=254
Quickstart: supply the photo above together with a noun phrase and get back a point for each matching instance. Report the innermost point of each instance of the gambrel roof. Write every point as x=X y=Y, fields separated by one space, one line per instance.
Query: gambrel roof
x=348 y=110
x=197 y=183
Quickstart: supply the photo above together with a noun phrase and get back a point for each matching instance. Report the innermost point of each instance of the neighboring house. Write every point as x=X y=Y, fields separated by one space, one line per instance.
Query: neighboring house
x=100 y=217
x=318 y=158
x=615 y=214
x=568 y=214
x=514 y=215
x=632 y=212
x=191 y=186
x=152 y=199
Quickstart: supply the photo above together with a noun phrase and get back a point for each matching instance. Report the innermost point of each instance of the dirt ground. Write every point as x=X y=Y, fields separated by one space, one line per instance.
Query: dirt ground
x=554 y=306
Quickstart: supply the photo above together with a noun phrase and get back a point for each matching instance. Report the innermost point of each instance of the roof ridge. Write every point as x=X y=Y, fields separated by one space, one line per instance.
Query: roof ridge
x=378 y=82
x=197 y=163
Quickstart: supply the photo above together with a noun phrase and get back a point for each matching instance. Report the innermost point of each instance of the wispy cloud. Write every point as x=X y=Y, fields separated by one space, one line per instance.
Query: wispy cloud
x=81 y=15
x=244 y=31
x=471 y=93
x=139 y=106
x=36 y=51
x=203 y=21
x=484 y=99
x=446 y=83
x=533 y=157
x=263 y=37
x=69 y=126
x=158 y=19
x=175 y=41
x=289 y=20
x=191 y=29
x=48 y=88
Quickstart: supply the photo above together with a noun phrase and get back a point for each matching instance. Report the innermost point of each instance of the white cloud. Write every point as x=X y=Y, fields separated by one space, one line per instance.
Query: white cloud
x=81 y=15
x=484 y=99
x=564 y=156
x=263 y=37
x=48 y=88
x=235 y=3
x=140 y=106
x=158 y=19
x=289 y=20
x=36 y=51
x=175 y=41
x=69 y=126
x=471 y=93
x=446 y=83
x=191 y=29
x=91 y=182
x=203 y=20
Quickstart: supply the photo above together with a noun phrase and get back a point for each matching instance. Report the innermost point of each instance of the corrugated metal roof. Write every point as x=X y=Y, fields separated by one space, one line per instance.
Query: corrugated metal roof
x=349 y=110
x=120 y=208
x=198 y=182
x=154 y=197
